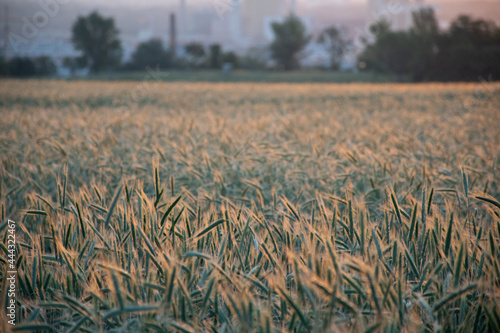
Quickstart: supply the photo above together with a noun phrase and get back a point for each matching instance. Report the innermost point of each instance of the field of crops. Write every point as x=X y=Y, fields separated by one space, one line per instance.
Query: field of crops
x=197 y=207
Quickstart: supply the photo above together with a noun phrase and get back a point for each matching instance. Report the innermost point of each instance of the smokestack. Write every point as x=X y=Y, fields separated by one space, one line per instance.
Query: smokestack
x=173 y=36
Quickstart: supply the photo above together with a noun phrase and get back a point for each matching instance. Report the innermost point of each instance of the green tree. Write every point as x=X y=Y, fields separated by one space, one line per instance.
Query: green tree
x=215 y=57
x=97 y=38
x=231 y=58
x=72 y=63
x=150 y=53
x=254 y=59
x=423 y=34
x=4 y=67
x=424 y=21
x=391 y=52
x=44 y=66
x=289 y=40
x=26 y=67
x=468 y=51
x=196 y=53
x=406 y=54
x=380 y=28
x=336 y=44
x=21 y=67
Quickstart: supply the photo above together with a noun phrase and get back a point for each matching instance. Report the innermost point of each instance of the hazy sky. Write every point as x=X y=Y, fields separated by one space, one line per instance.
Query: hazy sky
x=301 y=2
x=325 y=11
x=148 y=17
x=446 y=9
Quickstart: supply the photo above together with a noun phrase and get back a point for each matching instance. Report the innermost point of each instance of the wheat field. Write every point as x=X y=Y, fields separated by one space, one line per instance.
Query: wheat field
x=198 y=207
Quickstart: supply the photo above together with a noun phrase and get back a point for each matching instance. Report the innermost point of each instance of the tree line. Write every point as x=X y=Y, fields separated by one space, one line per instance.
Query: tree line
x=469 y=49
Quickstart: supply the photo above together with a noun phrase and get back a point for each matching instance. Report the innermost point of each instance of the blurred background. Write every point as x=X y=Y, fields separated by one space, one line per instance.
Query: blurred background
x=252 y=40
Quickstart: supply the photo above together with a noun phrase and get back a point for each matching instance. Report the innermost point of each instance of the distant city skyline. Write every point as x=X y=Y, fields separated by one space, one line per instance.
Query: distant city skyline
x=301 y=3
x=204 y=2
x=199 y=20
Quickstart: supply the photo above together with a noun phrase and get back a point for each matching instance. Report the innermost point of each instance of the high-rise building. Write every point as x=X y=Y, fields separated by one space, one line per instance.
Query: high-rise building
x=183 y=19
x=398 y=14
x=235 y=22
x=293 y=7
x=257 y=13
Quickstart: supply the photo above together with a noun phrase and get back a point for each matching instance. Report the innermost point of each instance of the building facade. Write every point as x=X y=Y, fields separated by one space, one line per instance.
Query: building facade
x=397 y=13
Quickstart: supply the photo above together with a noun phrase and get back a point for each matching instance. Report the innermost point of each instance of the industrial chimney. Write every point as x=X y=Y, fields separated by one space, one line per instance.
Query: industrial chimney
x=173 y=36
